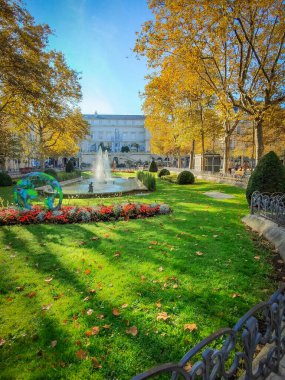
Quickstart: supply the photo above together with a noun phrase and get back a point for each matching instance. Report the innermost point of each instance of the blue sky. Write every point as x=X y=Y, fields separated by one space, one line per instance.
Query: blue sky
x=97 y=37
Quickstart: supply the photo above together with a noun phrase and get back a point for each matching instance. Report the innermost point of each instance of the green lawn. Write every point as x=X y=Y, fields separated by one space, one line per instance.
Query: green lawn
x=58 y=281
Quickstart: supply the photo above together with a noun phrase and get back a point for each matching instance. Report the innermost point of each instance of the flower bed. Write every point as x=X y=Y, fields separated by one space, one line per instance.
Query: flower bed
x=73 y=214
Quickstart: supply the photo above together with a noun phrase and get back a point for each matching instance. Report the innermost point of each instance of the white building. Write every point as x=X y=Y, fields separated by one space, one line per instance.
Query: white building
x=115 y=132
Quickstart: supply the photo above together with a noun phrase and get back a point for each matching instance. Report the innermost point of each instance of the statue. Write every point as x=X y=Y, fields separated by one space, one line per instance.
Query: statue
x=90 y=189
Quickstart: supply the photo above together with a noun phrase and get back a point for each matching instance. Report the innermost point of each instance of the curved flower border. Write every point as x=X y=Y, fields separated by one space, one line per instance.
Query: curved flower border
x=74 y=214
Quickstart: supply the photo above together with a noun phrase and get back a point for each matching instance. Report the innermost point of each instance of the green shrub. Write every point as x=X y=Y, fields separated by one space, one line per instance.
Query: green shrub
x=51 y=172
x=153 y=167
x=63 y=176
x=69 y=167
x=5 y=179
x=185 y=178
x=163 y=172
x=268 y=176
x=147 y=179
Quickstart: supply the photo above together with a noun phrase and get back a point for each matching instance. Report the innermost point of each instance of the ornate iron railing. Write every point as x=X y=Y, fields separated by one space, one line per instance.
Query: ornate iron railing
x=231 y=352
x=270 y=206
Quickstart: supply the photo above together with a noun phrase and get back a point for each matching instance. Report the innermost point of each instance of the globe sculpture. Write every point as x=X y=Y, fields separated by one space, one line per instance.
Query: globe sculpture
x=38 y=186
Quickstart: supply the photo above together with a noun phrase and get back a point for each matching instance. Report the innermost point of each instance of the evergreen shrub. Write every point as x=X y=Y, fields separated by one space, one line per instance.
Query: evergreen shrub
x=185 y=178
x=163 y=172
x=69 y=167
x=153 y=167
x=267 y=177
x=5 y=179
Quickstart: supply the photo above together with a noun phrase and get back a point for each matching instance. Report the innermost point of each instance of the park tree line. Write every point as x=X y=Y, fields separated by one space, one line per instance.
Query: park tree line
x=214 y=64
x=39 y=92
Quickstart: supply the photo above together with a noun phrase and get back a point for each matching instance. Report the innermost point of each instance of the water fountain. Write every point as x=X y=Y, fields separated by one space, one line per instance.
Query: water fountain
x=102 y=168
x=102 y=181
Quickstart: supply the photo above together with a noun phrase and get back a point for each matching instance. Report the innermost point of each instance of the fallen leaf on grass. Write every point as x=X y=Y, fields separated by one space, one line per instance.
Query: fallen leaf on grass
x=158 y=304
x=198 y=253
x=95 y=363
x=106 y=326
x=162 y=316
x=62 y=364
x=175 y=286
x=19 y=288
x=81 y=354
x=86 y=299
x=87 y=271
x=154 y=242
x=190 y=327
x=2 y=342
x=107 y=235
x=188 y=367
x=89 y=311
x=160 y=269
x=101 y=316
x=94 y=331
x=53 y=343
x=143 y=278
x=95 y=238
x=47 y=307
x=116 y=312
x=257 y=257
x=124 y=305
x=31 y=294
x=235 y=295
x=132 y=330
x=92 y=291
x=117 y=254
x=48 y=280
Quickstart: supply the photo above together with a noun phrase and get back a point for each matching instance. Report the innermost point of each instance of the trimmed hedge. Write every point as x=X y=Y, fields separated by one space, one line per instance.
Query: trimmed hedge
x=163 y=172
x=69 y=167
x=51 y=172
x=153 y=167
x=267 y=177
x=185 y=178
x=5 y=179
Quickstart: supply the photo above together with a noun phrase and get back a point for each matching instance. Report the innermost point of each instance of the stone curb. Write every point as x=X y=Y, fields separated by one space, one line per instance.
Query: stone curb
x=270 y=230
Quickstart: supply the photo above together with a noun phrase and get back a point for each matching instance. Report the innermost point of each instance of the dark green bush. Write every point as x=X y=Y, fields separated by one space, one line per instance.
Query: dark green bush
x=5 y=179
x=69 y=167
x=63 y=176
x=163 y=172
x=268 y=176
x=51 y=172
x=185 y=178
x=153 y=167
x=147 y=179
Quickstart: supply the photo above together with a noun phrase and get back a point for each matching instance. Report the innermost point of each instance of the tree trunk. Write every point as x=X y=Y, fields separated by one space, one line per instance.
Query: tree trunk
x=259 y=145
x=179 y=161
x=203 y=150
x=227 y=142
x=192 y=156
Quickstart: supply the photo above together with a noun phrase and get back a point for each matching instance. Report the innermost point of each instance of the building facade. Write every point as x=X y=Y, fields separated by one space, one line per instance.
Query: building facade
x=114 y=132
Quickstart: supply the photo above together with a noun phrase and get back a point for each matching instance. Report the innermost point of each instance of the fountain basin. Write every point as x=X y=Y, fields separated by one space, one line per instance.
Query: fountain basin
x=114 y=186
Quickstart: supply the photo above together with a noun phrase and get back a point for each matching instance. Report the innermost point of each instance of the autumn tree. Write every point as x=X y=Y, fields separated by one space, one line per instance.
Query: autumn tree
x=235 y=47
x=38 y=91
x=21 y=49
x=56 y=125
